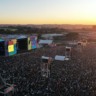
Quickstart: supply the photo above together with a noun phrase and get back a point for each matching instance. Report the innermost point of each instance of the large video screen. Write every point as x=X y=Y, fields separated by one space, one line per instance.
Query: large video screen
x=22 y=44
x=10 y=48
x=2 y=48
x=34 y=42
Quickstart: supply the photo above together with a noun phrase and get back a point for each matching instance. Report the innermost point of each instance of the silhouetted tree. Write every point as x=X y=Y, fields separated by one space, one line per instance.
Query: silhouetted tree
x=72 y=36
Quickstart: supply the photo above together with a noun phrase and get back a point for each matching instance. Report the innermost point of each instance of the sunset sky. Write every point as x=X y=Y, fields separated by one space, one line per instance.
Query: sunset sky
x=48 y=12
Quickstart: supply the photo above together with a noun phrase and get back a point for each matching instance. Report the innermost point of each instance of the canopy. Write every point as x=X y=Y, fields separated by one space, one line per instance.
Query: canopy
x=60 y=58
x=45 y=41
x=67 y=47
x=44 y=57
x=66 y=59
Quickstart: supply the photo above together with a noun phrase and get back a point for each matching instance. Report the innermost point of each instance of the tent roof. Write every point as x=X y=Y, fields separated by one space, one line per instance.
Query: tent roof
x=45 y=41
x=44 y=57
x=60 y=58
x=67 y=47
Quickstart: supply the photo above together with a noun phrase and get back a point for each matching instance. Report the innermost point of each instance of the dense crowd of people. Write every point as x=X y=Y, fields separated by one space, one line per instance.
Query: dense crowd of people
x=76 y=77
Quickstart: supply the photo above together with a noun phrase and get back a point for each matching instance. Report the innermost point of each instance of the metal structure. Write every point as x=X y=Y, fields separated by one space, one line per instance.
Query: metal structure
x=5 y=88
x=68 y=52
x=45 y=66
x=79 y=46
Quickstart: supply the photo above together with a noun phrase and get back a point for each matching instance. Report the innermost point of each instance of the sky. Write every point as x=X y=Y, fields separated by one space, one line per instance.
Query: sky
x=48 y=12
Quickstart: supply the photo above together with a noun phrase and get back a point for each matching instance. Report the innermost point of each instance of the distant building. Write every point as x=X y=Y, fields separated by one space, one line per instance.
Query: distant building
x=45 y=43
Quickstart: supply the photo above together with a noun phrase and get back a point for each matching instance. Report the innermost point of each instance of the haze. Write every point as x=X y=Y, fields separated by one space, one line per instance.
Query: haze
x=48 y=12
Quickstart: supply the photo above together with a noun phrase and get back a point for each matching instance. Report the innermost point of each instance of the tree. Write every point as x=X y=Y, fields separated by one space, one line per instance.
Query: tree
x=72 y=36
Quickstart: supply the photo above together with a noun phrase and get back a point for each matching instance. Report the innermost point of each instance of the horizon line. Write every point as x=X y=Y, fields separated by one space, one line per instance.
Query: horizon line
x=50 y=24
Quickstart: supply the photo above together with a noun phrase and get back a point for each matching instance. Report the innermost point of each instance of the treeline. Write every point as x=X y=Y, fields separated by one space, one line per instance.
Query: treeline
x=68 y=36
x=29 y=30
x=72 y=36
x=39 y=32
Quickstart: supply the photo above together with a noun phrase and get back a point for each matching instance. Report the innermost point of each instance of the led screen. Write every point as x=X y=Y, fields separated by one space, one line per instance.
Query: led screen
x=22 y=44
x=2 y=48
x=34 y=42
x=10 y=48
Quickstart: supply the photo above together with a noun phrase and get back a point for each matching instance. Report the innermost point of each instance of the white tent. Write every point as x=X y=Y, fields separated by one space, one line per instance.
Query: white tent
x=44 y=57
x=45 y=41
x=66 y=59
x=68 y=47
x=72 y=43
x=60 y=58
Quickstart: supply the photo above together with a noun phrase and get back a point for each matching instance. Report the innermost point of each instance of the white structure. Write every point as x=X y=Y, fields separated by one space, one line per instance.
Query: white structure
x=50 y=36
x=68 y=48
x=45 y=66
x=72 y=43
x=66 y=59
x=46 y=42
x=60 y=58
x=44 y=57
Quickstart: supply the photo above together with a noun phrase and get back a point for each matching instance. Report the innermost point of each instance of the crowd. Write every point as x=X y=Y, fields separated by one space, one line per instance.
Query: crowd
x=76 y=77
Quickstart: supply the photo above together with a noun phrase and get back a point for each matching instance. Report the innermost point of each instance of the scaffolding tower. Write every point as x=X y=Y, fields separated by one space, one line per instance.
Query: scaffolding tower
x=67 y=52
x=45 y=66
x=5 y=88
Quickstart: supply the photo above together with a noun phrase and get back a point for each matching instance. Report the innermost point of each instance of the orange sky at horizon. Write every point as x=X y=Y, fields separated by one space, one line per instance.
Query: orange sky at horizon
x=48 y=21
